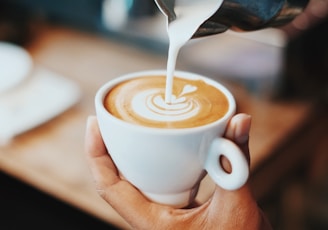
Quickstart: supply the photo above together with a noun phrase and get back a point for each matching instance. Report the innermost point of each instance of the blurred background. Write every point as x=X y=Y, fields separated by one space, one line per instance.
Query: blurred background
x=279 y=76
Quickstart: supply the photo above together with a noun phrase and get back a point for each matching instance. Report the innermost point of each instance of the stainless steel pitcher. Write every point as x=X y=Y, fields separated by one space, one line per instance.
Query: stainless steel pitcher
x=243 y=15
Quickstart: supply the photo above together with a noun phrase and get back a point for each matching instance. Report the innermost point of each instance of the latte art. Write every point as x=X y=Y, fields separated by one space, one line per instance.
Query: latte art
x=151 y=105
x=142 y=101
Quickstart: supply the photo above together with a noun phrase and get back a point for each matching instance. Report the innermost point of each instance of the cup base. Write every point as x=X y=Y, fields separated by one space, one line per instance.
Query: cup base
x=176 y=200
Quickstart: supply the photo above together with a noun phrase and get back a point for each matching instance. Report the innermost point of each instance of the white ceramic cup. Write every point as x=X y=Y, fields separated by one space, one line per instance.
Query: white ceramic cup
x=167 y=165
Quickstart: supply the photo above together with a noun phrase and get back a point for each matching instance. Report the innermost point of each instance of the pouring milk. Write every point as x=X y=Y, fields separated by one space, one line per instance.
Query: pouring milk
x=190 y=15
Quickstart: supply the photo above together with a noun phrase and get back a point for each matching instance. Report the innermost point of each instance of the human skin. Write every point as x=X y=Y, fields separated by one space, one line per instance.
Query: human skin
x=224 y=210
x=314 y=13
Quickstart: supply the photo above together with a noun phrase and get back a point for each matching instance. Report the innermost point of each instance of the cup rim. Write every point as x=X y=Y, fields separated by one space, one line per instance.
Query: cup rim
x=105 y=88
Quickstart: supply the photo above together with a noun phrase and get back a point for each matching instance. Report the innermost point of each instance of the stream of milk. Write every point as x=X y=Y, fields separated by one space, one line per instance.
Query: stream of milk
x=190 y=15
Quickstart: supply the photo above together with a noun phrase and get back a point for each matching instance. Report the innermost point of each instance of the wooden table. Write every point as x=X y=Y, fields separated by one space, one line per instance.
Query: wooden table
x=51 y=156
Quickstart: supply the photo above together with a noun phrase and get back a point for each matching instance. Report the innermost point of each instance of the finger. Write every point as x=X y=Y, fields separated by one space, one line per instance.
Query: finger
x=241 y=200
x=315 y=12
x=238 y=128
x=120 y=194
x=96 y=153
x=238 y=131
x=94 y=146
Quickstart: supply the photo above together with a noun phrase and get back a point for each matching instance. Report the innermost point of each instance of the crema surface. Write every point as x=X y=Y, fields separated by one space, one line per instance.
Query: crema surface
x=141 y=101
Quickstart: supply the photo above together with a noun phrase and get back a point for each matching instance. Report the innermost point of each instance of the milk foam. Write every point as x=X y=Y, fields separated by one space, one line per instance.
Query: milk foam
x=190 y=16
x=151 y=105
x=142 y=101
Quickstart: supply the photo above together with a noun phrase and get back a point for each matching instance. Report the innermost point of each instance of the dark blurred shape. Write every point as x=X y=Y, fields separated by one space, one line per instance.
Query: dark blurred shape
x=85 y=15
x=306 y=65
x=15 y=23
x=78 y=13
x=142 y=8
x=23 y=207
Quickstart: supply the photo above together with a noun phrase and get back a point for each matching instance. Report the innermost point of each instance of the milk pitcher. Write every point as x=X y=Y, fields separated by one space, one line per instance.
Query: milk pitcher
x=243 y=15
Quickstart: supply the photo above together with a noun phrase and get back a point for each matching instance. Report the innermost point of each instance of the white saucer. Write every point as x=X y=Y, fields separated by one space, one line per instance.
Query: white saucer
x=15 y=65
x=43 y=96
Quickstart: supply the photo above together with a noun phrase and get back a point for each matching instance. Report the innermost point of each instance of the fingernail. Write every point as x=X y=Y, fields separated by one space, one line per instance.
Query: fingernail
x=242 y=132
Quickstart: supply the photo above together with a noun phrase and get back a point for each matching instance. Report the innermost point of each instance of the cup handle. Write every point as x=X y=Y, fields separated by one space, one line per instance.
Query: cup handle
x=239 y=164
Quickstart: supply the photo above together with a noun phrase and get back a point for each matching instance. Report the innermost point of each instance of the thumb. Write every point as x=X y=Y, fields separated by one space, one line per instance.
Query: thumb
x=237 y=206
x=238 y=131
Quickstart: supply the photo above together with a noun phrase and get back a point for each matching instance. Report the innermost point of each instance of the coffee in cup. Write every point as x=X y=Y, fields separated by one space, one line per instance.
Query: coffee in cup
x=141 y=101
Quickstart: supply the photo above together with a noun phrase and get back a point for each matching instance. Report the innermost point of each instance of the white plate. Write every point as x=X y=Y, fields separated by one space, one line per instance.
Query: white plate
x=15 y=65
x=43 y=96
